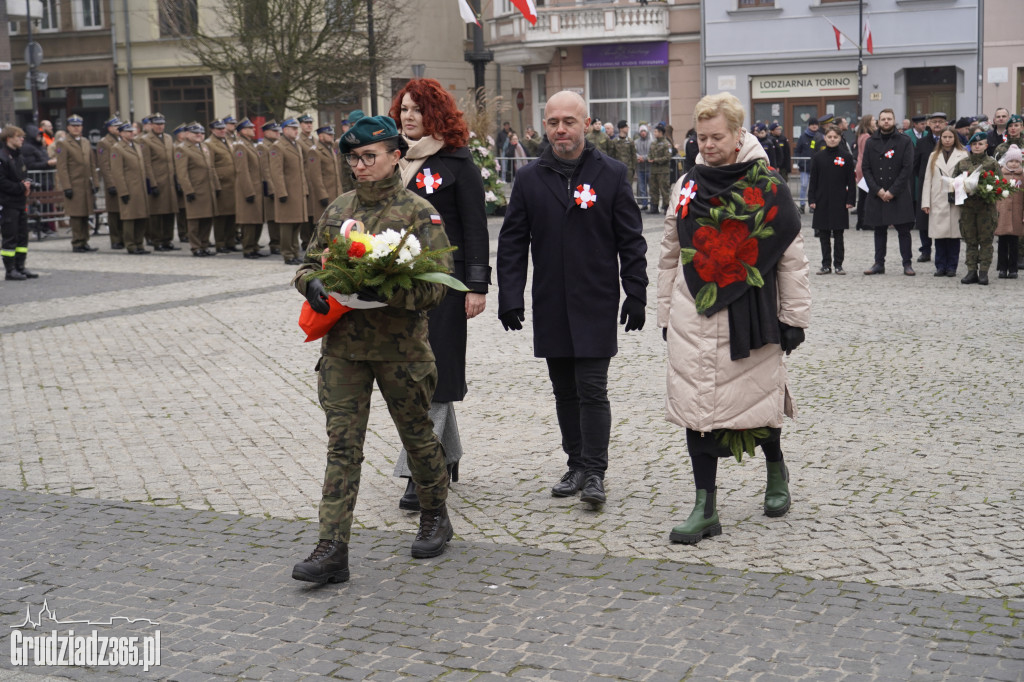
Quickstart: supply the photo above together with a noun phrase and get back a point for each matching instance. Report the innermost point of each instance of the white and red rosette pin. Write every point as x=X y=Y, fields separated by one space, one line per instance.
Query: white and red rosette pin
x=889 y=154
x=839 y=161
x=686 y=194
x=428 y=181
x=585 y=196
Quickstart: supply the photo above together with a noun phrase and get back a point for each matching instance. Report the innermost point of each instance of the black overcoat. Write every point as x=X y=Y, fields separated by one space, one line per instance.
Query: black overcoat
x=889 y=164
x=831 y=188
x=579 y=255
x=460 y=201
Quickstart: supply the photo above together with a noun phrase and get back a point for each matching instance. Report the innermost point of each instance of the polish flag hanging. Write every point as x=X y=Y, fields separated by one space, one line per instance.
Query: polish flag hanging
x=468 y=15
x=839 y=37
x=528 y=8
x=869 y=45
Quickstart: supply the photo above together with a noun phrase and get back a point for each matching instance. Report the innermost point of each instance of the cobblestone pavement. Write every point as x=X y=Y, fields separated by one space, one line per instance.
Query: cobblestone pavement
x=179 y=382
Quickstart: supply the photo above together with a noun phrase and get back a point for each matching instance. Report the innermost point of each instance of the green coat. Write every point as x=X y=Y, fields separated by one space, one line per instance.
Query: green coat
x=397 y=331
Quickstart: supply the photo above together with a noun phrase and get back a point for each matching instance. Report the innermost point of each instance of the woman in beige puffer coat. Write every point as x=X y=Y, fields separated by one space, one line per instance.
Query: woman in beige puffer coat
x=707 y=389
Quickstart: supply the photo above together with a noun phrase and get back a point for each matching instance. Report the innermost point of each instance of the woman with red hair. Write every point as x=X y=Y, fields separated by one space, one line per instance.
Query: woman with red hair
x=440 y=168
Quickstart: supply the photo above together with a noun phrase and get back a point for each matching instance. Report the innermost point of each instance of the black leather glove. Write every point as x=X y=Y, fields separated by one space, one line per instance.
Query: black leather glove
x=125 y=198
x=190 y=197
x=95 y=190
x=154 y=191
x=513 y=319
x=370 y=294
x=251 y=199
x=633 y=314
x=324 y=202
x=112 y=191
x=790 y=337
x=216 y=192
x=317 y=296
x=69 y=193
x=283 y=200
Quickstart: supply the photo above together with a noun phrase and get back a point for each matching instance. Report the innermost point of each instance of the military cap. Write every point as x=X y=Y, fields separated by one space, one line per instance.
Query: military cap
x=115 y=121
x=774 y=125
x=325 y=129
x=179 y=128
x=812 y=121
x=938 y=114
x=289 y=123
x=217 y=125
x=758 y=127
x=826 y=119
x=125 y=126
x=977 y=136
x=367 y=130
x=660 y=127
x=195 y=127
x=1015 y=118
x=157 y=118
x=243 y=124
x=623 y=124
x=355 y=116
x=962 y=122
x=305 y=118
x=75 y=120
x=228 y=119
x=271 y=125
x=919 y=119
x=145 y=120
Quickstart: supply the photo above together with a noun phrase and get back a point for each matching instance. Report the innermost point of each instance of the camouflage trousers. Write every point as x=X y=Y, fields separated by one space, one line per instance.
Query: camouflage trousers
x=978 y=228
x=344 y=389
x=659 y=190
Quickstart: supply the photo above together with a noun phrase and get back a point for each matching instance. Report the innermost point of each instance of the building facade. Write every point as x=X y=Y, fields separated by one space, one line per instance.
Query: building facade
x=638 y=62
x=779 y=57
x=1003 y=56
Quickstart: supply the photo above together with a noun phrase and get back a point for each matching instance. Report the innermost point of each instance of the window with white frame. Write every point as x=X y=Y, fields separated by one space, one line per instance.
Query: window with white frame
x=12 y=28
x=636 y=94
x=51 y=18
x=88 y=14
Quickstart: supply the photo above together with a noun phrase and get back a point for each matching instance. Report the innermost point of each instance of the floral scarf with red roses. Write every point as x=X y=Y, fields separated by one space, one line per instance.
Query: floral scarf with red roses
x=735 y=226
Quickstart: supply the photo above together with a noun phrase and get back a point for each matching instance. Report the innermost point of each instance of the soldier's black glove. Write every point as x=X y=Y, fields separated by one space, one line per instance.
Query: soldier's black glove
x=251 y=199
x=216 y=192
x=790 y=337
x=513 y=319
x=633 y=314
x=154 y=191
x=68 y=193
x=283 y=200
x=95 y=190
x=190 y=197
x=317 y=296
x=125 y=198
x=370 y=294
x=324 y=202
x=112 y=191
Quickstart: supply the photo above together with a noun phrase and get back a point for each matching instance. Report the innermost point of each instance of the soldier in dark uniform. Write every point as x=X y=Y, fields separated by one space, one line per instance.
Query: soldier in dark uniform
x=978 y=219
x=77 y=177
x=387 y=344
x=783 y=154
x=595 y=136
x=14 y=191
x=622 y=149
x=130 y=174
x=248 y=189
x=767 y=143
x=230 y=126
x=271 y=134
x=103 y=158
x=193 y=164
x=660 y=156
x=163 y=200
x=225 y=234
x=888 y=169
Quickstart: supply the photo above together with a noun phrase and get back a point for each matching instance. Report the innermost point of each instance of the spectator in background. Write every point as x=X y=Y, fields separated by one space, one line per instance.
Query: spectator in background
x=518 y=156
x=865 y=129
x=690 y=150
x=783 y=154
x=917 y=129
x=761 y=132
x=33 y=152
x=906 y=125
x=810 y=143
x=831 y=193
x=642 y=142
x=997 y=134
x=501 y=141
x=963 y=129
x=943 y=215
x=888 y=168
x=1011 y=216
x=46 y=129
x=531 y=142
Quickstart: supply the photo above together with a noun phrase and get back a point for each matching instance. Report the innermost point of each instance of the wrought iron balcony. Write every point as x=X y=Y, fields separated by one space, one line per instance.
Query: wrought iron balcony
x=559 y=26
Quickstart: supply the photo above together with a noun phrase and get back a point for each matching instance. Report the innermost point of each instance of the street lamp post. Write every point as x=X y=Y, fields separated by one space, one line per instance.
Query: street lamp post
x=30 y=57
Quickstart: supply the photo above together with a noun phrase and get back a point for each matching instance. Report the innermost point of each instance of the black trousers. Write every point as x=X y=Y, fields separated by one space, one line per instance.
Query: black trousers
x=584 y=415
x=862 y=197
x=705 y=450
x=903 y=234
x=826 y=237
x=14 y=232
x=1008 y=246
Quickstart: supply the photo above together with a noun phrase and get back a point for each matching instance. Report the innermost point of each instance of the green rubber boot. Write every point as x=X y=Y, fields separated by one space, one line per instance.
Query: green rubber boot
x=703 y=521
x=776 y=492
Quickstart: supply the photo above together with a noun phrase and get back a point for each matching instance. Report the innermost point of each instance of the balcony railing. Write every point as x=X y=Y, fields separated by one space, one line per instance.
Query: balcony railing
x=576 y=25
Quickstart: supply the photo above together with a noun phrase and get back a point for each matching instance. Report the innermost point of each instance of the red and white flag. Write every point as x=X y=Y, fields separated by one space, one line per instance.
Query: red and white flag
x=528 y=8
x=840 y=36
x=468 y=15
x=868 y=44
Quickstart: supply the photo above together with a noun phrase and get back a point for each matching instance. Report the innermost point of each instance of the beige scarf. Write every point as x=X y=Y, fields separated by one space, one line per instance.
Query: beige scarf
x=419 y=151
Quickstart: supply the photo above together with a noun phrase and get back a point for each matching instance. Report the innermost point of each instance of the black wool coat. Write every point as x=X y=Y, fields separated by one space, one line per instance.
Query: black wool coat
x=889 y=164
x=460 y=202
x=832 y=187
x=579 y=255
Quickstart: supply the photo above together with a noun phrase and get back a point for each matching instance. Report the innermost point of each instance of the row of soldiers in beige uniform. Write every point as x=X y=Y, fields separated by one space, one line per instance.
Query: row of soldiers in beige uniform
x=228 y=184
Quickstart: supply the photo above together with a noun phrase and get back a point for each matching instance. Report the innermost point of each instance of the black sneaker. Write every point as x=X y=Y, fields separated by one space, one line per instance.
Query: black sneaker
x=593 y=491
x=571 y=483
x=327 y=564
x=434 y=533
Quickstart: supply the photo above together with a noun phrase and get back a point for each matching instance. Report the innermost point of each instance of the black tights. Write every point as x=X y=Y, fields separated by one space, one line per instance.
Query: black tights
x=705 y=450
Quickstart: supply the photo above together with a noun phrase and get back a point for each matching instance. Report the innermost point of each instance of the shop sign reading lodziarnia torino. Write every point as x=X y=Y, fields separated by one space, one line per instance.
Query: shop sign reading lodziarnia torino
x=782 y=86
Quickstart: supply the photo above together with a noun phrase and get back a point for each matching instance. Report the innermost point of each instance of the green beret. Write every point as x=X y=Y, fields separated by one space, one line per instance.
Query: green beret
x=978 y=136
x=355 y=115
x=1015 y=118
x=368 y=130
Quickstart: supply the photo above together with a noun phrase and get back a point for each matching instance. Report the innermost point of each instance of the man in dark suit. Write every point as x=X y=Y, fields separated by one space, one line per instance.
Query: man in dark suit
x=575 y=209
x=888 y=168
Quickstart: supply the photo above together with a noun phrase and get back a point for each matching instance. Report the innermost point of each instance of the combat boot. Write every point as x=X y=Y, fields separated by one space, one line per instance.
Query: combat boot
x=703 y=521
x=327 y=564
x=19 y=265
x=970 y=278
x=12 y=274
x=435 y=532
x=409 y=501
x=983 y=277
x=776 y=492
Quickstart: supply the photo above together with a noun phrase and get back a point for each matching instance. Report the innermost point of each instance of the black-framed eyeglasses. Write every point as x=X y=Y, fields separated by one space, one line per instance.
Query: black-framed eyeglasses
x=368 y=159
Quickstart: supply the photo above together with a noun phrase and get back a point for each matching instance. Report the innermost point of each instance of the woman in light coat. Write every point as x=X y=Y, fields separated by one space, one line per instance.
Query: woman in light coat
x=722 y=382
x=943 y=216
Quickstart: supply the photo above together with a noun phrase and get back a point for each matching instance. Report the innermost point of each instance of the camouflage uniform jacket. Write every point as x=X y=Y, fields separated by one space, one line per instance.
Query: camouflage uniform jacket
x=398 y=331
x=660 y=155
x=622 y=149
x=972 y=163
x=599 y=140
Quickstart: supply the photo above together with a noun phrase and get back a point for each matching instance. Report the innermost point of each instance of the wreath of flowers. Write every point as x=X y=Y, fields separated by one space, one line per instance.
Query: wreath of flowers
x=992 y=188
x=725 y=249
